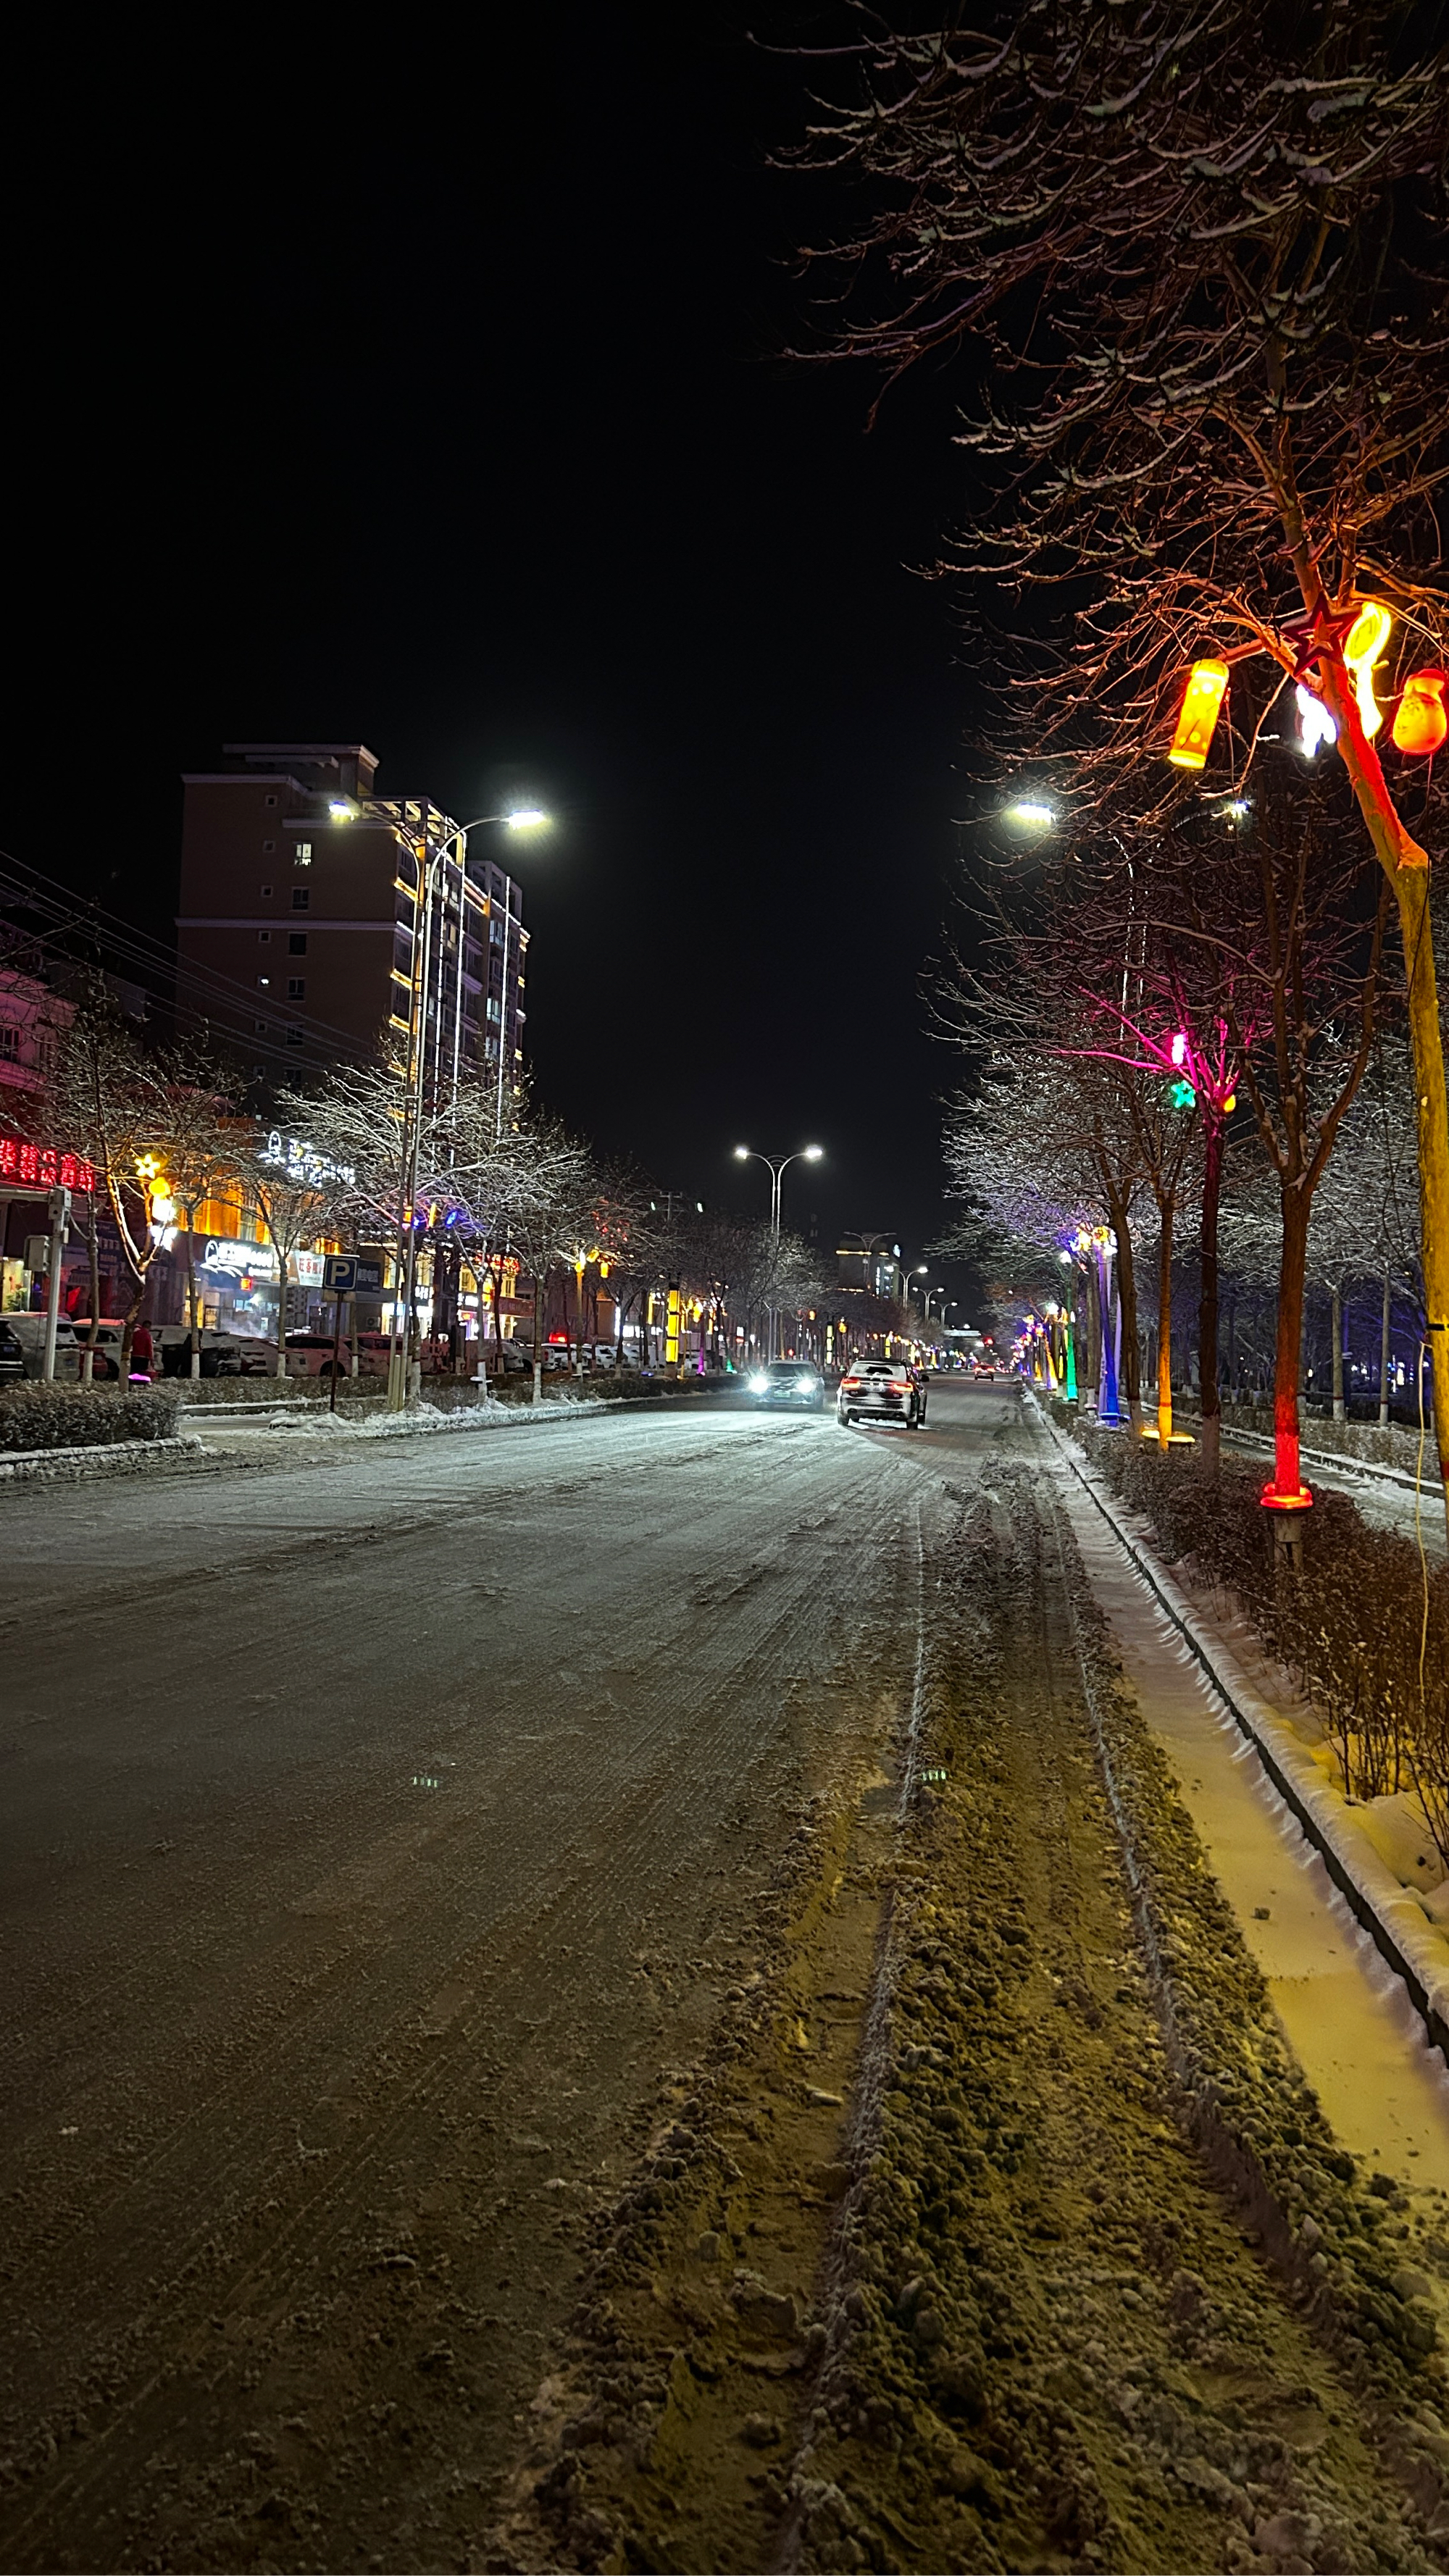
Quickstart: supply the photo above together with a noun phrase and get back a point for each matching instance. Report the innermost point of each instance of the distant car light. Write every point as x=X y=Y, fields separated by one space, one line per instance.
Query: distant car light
x=759 y=1383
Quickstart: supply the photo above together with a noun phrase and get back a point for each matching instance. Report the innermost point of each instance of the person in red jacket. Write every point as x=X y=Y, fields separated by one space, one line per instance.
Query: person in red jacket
x=143 y=1351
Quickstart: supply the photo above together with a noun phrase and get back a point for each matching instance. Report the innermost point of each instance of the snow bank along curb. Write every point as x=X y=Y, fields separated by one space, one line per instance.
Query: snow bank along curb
x=99 y=1458
x=430 y=1420
x=1391 y=1917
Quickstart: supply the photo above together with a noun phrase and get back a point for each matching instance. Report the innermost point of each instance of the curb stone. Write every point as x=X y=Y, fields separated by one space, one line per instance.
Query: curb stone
x=98 y=1458
x=1391 y=1917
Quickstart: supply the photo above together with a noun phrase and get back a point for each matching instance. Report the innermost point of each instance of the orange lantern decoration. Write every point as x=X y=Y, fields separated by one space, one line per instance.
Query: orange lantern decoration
x=1362 y=647
x=1421 y=722
x=1202 y=699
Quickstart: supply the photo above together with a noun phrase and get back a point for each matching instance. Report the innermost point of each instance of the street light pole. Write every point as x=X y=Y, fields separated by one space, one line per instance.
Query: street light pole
x=777 y=1165
x=400 y=1356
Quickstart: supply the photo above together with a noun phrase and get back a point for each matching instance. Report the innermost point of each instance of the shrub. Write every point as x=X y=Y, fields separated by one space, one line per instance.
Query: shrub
x=36 y=1416
x=1368 y=1637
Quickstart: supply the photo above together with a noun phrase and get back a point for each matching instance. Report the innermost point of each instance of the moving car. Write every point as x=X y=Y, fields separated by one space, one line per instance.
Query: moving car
x=880 y=1391
x=789 y=1382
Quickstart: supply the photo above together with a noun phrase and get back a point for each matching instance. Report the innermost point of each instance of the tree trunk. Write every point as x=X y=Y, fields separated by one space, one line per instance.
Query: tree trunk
x=1207 y=1303
x=195 y=1336
x=128 y=1328
x=1407 y=870
x=1386 y=1354
x=1288 y=1358
x=1094 y=1330
x=1335 y=1307
x=1164 y=1330
x=1127 y=1300
x=281 y=1368
x=537 y=1337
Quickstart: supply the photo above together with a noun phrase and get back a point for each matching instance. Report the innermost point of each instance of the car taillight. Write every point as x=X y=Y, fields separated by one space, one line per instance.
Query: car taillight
x=900 y=1386
x=851 y=1381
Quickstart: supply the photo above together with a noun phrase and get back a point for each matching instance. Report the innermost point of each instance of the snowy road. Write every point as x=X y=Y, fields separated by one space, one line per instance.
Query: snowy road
x=376 y=1827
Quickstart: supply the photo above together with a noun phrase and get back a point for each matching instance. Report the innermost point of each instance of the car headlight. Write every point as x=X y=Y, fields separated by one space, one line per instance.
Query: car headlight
x=759 y=1385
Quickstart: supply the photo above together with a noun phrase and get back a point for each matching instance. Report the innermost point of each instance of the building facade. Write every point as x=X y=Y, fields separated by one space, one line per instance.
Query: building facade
x=872 y=1262
x=316 y=918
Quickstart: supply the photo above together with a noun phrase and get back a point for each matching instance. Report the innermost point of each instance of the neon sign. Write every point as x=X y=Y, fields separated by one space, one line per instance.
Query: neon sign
x=302 y=1163
x=40 y=1167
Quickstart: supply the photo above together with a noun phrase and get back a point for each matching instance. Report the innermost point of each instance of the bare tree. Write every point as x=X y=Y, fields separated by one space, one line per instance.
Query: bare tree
x=108 y=1096
x=1210 y=288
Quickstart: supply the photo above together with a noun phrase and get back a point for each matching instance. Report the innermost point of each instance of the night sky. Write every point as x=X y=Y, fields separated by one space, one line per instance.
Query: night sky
x=433 y=398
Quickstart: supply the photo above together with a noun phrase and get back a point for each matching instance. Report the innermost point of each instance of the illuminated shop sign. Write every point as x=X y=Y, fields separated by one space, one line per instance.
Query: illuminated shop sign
x=259 y=1261
x=40 y=1167
x=303 y=1165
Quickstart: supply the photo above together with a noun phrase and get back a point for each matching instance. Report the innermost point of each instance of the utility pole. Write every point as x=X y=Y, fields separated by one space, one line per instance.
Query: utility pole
x=59 y=1229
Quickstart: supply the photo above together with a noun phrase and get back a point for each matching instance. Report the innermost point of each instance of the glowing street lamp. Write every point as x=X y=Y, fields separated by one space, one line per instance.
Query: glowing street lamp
x=1030 y=815
x=777 y=1166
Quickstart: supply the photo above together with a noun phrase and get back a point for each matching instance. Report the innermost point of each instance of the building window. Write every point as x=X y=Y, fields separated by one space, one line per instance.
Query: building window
x=296 y=943
x=259 y=1029
x=495 y=1008
x=294 y=1036
x=263 y=938
x=301 y=898
x=271 y=800
x=9 y=1045
x=264 y=889
x=267 y=848
x=296 y=988
x=302 y=853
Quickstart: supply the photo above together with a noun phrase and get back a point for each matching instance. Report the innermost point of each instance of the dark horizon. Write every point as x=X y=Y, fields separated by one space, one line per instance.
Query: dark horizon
x=528 y=501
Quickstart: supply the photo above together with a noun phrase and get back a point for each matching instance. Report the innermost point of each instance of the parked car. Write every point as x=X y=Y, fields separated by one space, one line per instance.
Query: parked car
x=788 y=1383
x=12 y=1356
x=221 y=1353
x=879 y=1391
x=110 y=1332
x=29 y=1331
x=308 y=1355
x=318 y=1355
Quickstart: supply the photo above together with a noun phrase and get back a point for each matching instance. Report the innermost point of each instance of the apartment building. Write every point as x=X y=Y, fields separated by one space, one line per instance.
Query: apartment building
x=315 y=916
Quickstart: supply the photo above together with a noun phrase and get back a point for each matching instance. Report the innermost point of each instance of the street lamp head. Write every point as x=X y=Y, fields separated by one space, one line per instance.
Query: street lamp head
x=525 y=818
x=1030 y=815
x=813 y=1153
x=742 y=1153
x=341 y=811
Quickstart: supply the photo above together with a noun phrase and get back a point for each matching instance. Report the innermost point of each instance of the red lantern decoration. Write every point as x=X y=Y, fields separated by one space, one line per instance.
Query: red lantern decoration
x=1421 y=722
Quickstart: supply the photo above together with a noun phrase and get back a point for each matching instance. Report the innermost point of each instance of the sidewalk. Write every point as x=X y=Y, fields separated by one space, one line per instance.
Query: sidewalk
x=1348 y=2016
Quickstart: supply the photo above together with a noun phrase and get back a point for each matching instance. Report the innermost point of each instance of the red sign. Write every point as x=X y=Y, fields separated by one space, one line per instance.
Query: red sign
x=40 y=1167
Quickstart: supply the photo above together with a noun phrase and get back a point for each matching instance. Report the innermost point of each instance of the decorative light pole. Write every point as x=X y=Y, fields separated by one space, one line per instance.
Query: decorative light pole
x=777 y=1166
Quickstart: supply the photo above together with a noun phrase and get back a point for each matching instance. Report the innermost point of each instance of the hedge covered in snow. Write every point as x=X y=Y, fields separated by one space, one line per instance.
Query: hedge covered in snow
x=1365 y=1625
x=36 y=1416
